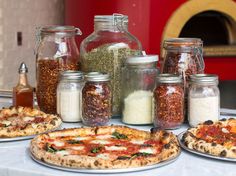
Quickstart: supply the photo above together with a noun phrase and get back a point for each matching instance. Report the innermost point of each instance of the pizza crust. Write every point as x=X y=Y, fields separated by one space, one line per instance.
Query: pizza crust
x=170 y=150
x=191 y=141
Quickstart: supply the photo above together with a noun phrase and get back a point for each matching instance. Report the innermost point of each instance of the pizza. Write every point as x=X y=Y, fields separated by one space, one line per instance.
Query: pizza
x=214 y=138
x=107 y=147
x=25 y=121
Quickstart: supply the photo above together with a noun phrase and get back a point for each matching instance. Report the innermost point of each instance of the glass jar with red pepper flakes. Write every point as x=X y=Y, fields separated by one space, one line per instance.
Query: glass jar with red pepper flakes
x=56 y=51
x=96 y=99
x=169 y=102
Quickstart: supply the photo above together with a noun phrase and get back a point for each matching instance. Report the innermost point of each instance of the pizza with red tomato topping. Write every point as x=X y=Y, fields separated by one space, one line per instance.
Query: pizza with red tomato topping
x=108 y=147
x=25 y=121
x=215 y=138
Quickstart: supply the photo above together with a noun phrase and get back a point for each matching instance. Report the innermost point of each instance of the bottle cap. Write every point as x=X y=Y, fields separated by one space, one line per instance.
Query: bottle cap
x=23 y=68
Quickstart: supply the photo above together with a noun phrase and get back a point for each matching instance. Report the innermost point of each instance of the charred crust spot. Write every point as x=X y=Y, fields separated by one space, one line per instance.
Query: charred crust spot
x=154 y=130
x=96 y=163
x=146 y=145
x=234 y=150
x=231 y=118
x=165 y=134
x=223 y=153
x=208 y=122
x=213 y=144
x=42 y=159
x=224 y=119
x=167 y=146
x=53 y=122
x=96 y=130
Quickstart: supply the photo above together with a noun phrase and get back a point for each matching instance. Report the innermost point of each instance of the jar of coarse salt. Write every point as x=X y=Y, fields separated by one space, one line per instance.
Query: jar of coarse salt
x=203 y=99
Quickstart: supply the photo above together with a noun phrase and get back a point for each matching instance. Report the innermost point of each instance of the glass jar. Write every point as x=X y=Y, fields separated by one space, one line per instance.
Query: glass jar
x=169 y=102
x=106 y=50
x=96 y=99
x=203 y=99
x=69 y=99
x=56 y=51
x=183 y=56
x=138 y=83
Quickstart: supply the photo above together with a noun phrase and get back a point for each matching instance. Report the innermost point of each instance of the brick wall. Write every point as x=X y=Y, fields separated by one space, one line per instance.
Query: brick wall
x=23 y=16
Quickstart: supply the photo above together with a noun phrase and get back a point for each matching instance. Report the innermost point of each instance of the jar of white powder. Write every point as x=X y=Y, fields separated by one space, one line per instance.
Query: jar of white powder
x=69 y=100
x=203 y=99
x=138 y=83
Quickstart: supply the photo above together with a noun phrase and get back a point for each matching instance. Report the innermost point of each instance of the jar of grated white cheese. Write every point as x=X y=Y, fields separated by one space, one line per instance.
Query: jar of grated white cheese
x=138 y=83
x=69 y=100
x=204 y=99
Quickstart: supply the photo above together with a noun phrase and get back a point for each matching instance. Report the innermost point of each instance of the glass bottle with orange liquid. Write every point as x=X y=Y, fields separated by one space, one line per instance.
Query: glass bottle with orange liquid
x=23 y=92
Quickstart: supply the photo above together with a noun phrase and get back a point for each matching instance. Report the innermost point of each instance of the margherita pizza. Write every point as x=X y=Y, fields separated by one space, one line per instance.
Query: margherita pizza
x=215 y=138
x=23 y=121
x=108 y=147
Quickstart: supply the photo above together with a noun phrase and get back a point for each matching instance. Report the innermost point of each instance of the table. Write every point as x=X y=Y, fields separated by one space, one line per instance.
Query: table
x=15 y=160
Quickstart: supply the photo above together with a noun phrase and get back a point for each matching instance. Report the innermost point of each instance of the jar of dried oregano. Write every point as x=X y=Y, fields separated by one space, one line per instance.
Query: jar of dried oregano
x=106 y=50
x=56 y=51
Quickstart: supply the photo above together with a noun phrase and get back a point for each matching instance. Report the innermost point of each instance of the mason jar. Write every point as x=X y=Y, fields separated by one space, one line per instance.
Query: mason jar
x=96 y=99
x=138 y=83
x=106 y=49
x=56 y=51
x=69 y=98
x=169 y=102
x=203 y=99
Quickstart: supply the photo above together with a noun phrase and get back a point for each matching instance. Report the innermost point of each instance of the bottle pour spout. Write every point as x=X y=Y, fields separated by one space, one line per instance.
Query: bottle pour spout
x=23 y=68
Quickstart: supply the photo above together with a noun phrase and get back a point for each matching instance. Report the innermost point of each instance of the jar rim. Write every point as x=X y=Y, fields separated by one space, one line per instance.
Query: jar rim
x=142 y=59
x=72 y=75
x=60 y=30
x=110 y=18
x=169 y=78
x=97 y=76
x=173 y=43
x=204 y=78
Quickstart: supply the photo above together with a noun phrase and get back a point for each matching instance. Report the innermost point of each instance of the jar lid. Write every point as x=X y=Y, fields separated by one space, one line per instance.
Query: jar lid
x=169 y=78
x=142 y=59
x=60 y=30
x=72 y=75
x=182 y=43
x=97 y=76
x=204 y=78
x=108 y=18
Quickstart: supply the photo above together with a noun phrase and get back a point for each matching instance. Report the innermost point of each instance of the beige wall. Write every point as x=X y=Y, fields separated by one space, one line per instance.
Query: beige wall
x=23 y=16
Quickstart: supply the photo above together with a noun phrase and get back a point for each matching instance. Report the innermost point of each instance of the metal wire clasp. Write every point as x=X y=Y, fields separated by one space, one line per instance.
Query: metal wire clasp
x=118 y=20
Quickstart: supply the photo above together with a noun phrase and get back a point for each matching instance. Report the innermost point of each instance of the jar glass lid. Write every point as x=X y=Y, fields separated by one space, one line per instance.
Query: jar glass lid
x=169 y=78
x=176 y=43
x=142 y=59
x=97 y=76
x=204 y=78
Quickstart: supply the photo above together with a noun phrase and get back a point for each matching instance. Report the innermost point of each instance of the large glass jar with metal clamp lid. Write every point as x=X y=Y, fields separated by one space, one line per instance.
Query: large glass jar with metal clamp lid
x=56 y=51
x=203 y=99
x=69 y=99
x=138 y=83
x=106 y=50
x=96 y=99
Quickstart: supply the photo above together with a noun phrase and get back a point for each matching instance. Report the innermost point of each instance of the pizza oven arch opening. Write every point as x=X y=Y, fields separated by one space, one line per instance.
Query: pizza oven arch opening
x=214 y=28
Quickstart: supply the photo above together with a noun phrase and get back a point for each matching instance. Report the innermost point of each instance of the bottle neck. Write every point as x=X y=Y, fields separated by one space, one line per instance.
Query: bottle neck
x=110 y=26
x=23 y=79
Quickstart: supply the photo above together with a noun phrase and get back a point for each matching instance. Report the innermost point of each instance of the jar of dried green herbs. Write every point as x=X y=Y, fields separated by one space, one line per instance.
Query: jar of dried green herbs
x=106 y=49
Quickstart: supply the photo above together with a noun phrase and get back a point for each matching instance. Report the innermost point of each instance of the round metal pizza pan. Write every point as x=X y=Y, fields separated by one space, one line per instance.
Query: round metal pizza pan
x=104 y=171
x=201 y=153
x=24 y=137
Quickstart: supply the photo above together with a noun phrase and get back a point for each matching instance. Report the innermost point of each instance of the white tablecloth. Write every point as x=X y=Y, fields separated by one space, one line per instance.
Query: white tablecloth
x=15 y=161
